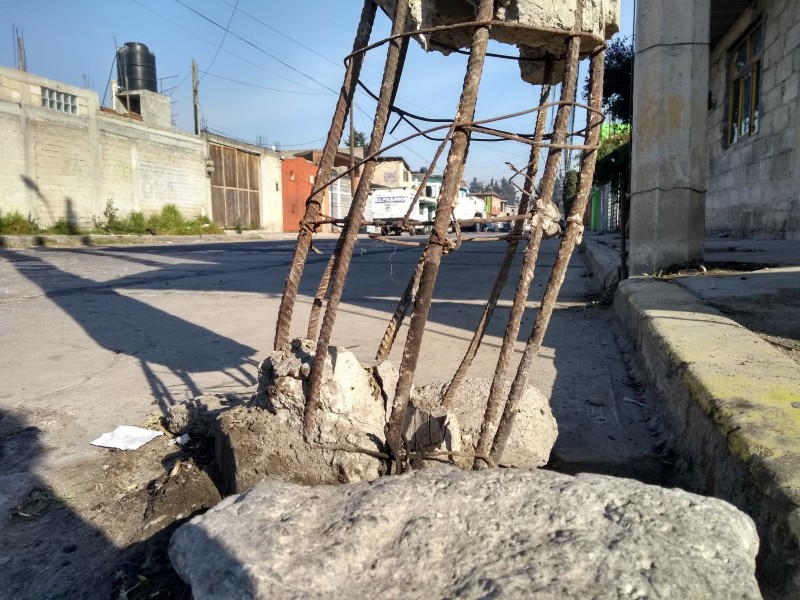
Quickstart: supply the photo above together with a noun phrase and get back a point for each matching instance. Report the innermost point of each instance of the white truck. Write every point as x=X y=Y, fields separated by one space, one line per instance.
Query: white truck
x=470 y=207
x=388 y=206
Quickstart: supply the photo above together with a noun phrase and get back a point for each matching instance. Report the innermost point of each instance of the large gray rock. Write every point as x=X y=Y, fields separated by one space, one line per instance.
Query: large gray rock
x=495 y=533
x=537 y=27
x=533 y=434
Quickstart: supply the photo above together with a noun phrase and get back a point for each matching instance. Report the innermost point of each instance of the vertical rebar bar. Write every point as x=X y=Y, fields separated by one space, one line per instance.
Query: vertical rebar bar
x=324 y=284
x=323 y=174
x=454 y=171
x=392 y=70
x=511 y=248
x=319 y=298
x=392 y=329
x=573 y=232
x=497 y=391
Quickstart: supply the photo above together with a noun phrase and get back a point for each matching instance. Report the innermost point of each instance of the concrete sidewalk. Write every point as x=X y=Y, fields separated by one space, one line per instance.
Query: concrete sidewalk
x=99 y=239
x=721 y=347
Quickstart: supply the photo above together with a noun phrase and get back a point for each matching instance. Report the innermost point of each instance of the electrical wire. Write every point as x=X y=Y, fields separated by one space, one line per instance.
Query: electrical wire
x=282 y=34
x=222 y=41
x=262 y=87
x=210 y=43
x=257 y=47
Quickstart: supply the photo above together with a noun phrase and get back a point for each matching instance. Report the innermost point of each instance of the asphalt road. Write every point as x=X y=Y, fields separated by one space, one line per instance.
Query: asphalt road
x=97 y=337
x=93 y=338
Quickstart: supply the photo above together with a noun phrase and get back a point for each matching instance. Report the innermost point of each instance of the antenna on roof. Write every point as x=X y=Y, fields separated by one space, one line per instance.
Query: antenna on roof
x=19 y=48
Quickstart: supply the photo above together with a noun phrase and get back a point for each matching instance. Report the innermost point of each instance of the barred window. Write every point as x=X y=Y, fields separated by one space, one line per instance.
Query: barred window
x=59 y=101
x=745 y=78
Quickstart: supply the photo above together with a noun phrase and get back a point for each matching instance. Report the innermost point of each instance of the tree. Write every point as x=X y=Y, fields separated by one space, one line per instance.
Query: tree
x=360 y=141
x=506 y=190
x=614 y=154
x=614 y=159
x=617 y=80
x=570 y=190
x=476 y=187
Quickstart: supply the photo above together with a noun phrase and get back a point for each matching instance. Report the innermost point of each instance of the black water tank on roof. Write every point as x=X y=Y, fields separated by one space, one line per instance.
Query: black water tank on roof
x=136 y=67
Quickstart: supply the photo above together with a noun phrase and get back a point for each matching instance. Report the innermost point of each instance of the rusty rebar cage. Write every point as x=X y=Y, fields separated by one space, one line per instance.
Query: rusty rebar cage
x=455 y=136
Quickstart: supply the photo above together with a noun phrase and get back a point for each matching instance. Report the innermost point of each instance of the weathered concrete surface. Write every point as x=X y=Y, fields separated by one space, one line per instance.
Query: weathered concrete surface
x=498 y=533
x=670 y=107
x=158 y=325
x=196 y=417
x=543 y=27
x=266 y=441
x=729 y=399
x=532 y=437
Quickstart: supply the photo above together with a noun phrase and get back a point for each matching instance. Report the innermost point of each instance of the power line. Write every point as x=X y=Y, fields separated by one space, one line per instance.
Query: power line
x=210 y=43
x=256 y=46
x=222 y=41
x=291 y=39
x=262 y=87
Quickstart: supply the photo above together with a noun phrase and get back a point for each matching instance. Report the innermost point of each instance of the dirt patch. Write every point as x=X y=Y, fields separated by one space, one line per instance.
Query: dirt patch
x=122 y=507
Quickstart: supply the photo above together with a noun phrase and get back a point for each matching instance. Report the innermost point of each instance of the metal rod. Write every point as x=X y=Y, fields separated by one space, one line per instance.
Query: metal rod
x=319 y=299
x=399 y=315
x=323 y=174
x=565 y=250
x=396 y=321
x=494 y=404
x=453 y=173
x=394 y=65
x=511 y=249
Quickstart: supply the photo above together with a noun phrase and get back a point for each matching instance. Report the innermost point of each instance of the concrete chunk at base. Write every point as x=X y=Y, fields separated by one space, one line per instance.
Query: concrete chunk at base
x=495 y=533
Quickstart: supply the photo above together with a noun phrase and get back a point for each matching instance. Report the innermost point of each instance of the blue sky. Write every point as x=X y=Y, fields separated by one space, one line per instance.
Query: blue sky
x=294 y=49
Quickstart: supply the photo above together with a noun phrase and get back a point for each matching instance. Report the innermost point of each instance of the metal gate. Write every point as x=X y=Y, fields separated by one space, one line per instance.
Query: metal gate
x=235 y=188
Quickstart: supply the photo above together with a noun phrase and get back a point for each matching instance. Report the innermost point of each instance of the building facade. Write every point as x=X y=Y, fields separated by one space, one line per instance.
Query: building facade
x=754 y=124
x=715 y=127
x=66 y=157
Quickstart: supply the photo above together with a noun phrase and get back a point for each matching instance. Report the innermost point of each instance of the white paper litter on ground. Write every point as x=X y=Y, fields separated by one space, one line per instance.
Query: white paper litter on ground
x=126 y=437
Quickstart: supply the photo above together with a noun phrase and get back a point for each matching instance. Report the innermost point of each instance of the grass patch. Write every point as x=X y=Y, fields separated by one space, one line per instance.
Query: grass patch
x=167 y=222
x=14 y=223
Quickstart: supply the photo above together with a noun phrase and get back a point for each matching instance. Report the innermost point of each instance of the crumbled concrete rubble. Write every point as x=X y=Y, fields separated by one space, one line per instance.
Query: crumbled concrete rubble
x=196 y=416
x=534 y=431
x=495 y=533
x=264 y=440
x=546 y=23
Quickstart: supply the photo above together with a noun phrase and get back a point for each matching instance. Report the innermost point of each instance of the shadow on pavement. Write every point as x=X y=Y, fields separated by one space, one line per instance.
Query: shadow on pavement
x=125 y=325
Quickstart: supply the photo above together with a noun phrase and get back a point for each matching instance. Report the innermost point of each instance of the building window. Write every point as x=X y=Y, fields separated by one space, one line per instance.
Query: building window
x=59 y=101
x=745 y=78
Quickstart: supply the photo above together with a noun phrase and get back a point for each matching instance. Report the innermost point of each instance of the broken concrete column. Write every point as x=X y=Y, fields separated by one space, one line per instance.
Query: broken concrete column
x=668 y=160
x=265 y=441
x=495 y=533
x=537 y=27
x=533 y=435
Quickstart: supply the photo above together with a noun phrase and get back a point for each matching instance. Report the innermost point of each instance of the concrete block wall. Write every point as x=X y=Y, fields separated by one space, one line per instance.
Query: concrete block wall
x=754 y=184
x=61 y=165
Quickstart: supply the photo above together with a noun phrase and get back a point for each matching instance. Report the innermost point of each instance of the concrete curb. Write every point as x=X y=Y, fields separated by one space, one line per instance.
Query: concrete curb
x=89 y=240
x=602 y=262
x=726 y=398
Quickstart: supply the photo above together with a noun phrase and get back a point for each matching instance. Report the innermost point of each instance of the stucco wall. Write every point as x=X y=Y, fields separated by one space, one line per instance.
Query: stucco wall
x=754 y=184
x=58 y=165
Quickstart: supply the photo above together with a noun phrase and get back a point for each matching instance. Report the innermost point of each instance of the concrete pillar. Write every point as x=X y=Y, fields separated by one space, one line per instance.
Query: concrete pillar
x=668 y=170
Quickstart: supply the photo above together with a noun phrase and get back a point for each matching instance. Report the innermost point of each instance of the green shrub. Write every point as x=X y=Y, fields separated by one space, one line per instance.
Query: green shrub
x=63 y=227
x=14 y=223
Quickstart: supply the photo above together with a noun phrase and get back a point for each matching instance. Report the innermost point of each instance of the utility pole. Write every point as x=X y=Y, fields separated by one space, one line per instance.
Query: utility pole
x=21 y=64
x=195 y=101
